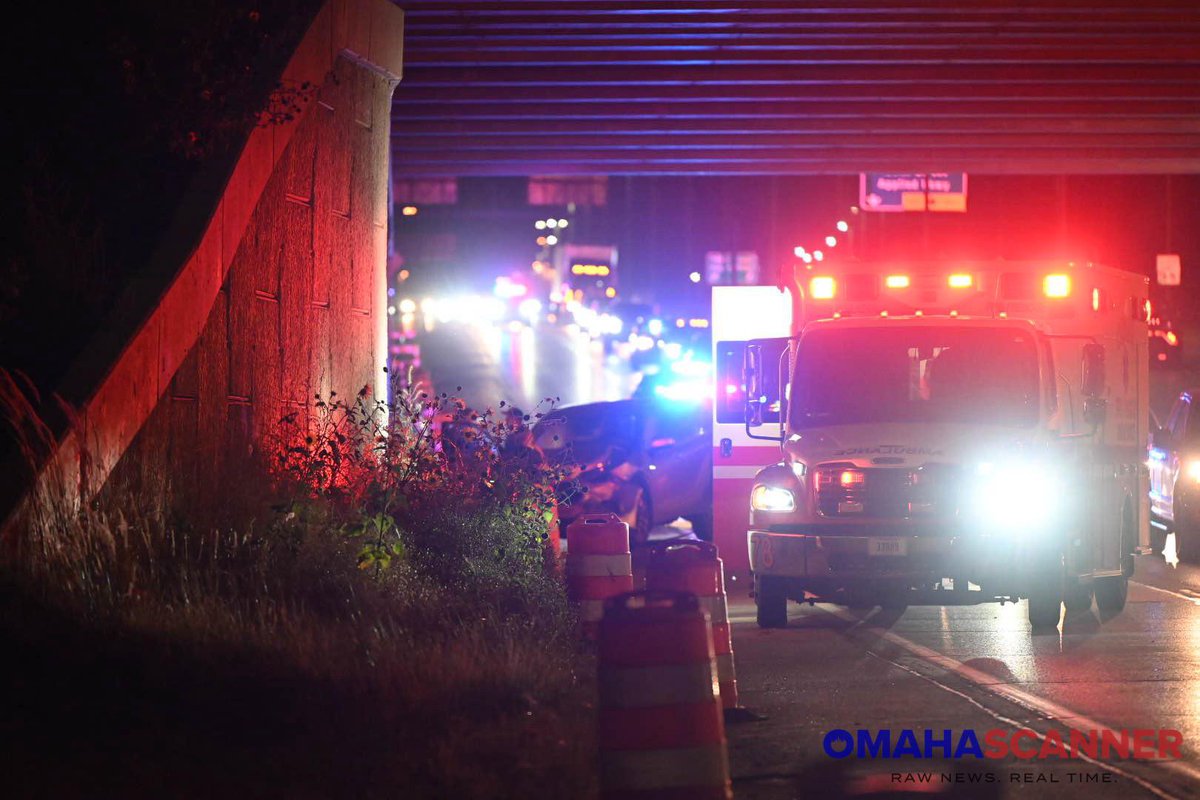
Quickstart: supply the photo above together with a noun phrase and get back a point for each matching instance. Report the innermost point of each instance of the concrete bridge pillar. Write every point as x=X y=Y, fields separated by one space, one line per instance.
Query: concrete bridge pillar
x=284 y=294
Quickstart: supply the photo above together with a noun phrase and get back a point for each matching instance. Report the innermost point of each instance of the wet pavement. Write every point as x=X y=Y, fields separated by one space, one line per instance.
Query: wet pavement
x=522 y=364
x=970 y=667
x=940 y=668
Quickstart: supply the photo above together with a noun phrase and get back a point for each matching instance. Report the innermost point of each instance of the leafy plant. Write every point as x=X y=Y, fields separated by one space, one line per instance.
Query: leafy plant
x=462 y=495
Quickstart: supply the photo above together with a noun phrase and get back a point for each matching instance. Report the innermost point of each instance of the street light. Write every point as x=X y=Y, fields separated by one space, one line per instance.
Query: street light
x=843 y=226
x=799 y=251
x=694 y=277
x=540 y=224
x=831 y=241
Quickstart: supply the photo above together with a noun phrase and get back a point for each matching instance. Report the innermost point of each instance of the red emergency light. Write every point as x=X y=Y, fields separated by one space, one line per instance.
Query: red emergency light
x=851 y=477
x=1057 y=285
x=822 y=287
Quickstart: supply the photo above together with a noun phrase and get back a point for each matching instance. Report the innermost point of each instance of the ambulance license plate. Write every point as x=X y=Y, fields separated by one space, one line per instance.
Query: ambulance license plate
x=887 y=547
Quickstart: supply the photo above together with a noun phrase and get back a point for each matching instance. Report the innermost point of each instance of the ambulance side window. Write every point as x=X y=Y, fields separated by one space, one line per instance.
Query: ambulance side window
x=731 y=393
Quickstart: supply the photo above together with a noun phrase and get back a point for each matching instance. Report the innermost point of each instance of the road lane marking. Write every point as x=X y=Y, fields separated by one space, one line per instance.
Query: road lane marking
x=1012 y=723
x=1189 y=598
x=1046 y=708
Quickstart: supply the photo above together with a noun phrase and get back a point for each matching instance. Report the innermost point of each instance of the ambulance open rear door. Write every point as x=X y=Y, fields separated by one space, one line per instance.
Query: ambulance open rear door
x=739 y=314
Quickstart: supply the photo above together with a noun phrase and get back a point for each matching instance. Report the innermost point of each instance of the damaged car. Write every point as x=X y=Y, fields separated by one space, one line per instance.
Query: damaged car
x=647 y=461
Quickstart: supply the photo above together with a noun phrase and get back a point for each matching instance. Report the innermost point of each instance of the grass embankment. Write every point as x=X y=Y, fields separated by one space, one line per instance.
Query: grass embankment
x=384 y=627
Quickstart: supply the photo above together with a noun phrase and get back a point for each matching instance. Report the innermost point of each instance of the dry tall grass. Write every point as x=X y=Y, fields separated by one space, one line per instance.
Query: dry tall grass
x=155 y=657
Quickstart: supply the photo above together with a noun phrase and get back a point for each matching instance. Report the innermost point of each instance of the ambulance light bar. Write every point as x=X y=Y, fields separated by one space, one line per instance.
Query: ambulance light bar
x=863 y=290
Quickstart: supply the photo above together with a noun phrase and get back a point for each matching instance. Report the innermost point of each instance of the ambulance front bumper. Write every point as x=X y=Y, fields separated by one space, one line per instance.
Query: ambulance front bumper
x=816 y=557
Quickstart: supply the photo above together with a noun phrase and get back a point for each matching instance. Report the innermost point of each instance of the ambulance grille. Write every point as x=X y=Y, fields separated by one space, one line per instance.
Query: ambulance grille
x=850 y=492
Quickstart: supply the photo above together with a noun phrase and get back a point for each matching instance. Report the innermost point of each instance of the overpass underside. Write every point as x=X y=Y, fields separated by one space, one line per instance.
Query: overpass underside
x=599 y=87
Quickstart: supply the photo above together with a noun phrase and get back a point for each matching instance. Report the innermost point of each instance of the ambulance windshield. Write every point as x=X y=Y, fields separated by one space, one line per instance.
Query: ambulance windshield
x=883 y=374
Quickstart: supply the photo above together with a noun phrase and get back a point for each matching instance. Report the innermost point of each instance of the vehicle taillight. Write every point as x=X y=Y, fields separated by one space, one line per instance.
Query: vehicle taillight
x=960 y=281
x=822 y=287
x=1056 y=285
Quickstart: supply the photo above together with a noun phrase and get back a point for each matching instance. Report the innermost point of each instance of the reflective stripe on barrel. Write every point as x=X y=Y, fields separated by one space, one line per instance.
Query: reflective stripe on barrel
x=589 y=566
x=660 y=730
x=695 y=567
x=598 y=565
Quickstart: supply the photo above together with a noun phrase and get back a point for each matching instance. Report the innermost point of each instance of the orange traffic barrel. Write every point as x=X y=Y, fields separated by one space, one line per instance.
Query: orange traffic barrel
x=695 y=567
x=661 y=730
x=598 y=565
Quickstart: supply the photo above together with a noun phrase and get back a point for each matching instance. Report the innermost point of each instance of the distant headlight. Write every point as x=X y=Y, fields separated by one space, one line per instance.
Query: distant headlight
x=1016 y=495
x=772 y=498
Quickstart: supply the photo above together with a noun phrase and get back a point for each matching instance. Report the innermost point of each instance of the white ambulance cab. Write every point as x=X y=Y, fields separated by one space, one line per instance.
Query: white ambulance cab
x=939 y=435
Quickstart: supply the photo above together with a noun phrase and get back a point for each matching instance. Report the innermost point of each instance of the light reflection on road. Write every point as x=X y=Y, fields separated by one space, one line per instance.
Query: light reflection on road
x=522 y=364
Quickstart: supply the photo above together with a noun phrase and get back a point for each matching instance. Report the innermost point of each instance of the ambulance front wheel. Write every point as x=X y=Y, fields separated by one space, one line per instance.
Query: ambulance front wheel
x=770 y=595
x=1045 y=589
x=1111 y=594
x=1113 y=590
x=1045 y=607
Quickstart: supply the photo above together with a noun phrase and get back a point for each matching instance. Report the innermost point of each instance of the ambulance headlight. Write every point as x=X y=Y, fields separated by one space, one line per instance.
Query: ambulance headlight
x=1016 y=495
x=772 y=498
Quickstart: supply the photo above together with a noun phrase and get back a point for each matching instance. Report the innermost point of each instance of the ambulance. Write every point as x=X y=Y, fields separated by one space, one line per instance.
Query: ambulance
x=908 y=433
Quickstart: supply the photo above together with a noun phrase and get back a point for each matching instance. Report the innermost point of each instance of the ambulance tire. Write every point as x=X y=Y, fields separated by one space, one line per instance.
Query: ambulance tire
x=770 y=597
x=1185 y=545
x=1046 y=590
x=1044 y=609
x=1158 y=536
x=1111 y=593
x=1185 y=533
x=1077 y=598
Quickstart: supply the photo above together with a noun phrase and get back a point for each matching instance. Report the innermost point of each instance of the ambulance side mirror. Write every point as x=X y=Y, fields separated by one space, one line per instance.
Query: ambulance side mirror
x=1093 y=384
x=752 y=374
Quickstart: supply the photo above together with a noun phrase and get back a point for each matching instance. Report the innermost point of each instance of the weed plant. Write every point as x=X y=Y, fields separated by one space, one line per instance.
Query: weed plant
x=384 y=625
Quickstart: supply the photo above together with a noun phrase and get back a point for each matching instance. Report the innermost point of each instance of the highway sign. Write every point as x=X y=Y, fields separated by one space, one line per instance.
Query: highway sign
x=934 y=191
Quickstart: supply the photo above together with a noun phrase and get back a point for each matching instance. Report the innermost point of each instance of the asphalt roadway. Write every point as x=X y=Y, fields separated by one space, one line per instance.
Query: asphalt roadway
x=969 y=667
x=959 y=668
